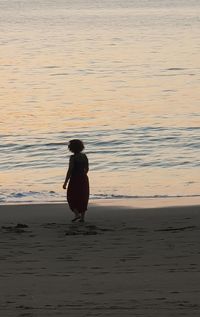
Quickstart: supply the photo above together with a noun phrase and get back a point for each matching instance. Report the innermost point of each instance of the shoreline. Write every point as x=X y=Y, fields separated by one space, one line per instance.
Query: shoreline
x=97 y=212
x=146 y=202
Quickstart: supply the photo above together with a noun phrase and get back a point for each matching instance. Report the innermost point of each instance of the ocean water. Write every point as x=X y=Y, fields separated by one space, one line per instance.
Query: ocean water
x=122 y=75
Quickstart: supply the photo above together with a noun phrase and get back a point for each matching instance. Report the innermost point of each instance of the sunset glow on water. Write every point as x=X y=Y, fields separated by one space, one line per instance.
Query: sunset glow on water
x=123 y=76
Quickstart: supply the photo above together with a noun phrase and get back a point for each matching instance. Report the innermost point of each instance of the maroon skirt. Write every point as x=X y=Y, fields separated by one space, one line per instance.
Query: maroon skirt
x=78 y=192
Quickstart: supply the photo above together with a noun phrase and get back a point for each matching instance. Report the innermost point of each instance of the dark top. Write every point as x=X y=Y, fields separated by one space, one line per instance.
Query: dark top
x=80 y=164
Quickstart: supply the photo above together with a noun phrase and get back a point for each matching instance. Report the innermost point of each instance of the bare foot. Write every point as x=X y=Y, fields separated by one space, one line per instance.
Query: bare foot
x=76 y=218
x=81 y=220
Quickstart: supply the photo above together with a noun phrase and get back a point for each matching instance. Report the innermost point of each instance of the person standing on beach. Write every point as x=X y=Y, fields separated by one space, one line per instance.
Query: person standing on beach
x=77 y=180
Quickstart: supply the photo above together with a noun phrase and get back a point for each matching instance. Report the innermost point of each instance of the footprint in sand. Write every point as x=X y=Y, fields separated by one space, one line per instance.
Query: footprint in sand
x=19 y=228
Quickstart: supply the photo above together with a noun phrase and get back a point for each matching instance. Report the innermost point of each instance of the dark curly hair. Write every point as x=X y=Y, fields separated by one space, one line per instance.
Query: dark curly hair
x=76 y=146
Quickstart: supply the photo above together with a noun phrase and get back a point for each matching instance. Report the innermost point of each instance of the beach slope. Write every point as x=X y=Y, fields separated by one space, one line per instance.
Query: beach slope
x=121 y=262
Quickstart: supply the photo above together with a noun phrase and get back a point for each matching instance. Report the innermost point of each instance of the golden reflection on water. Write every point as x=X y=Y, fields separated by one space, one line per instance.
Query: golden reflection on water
x=82 y=83
x=128 y=69
x=142 y=182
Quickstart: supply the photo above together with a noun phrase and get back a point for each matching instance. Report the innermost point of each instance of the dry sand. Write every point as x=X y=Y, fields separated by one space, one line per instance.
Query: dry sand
x=121 y=262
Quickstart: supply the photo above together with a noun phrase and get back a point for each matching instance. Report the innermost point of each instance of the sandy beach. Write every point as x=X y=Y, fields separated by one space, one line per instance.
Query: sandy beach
x=122 y=262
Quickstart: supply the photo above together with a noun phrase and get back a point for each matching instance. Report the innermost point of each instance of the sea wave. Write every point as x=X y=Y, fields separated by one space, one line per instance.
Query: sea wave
x=53 y=197
x=134 y=147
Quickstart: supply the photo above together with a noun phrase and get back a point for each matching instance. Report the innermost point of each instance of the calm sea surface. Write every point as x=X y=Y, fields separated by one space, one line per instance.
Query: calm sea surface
x=122 y=75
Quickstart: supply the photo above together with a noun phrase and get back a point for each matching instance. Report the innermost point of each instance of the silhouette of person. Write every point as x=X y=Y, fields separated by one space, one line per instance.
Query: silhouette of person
x=77 y=180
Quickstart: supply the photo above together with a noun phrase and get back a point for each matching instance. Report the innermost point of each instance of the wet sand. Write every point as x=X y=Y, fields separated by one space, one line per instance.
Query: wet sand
x=122 y=261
